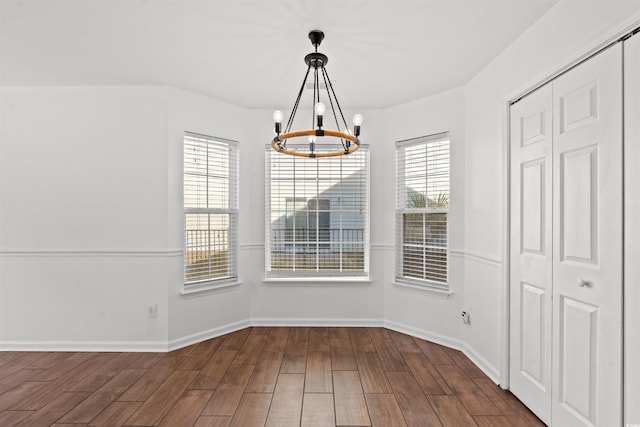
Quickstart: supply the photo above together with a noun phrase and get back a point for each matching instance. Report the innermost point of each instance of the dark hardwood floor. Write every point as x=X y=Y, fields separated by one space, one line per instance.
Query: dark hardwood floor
x=260 y=377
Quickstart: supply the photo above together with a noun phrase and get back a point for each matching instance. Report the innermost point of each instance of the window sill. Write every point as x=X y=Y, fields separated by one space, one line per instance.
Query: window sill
x=208 y=287
x=322 y=281
x=426 y=288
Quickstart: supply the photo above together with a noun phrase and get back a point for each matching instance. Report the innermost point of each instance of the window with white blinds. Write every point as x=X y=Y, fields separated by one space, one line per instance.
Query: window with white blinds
x=422 y=209
x=210 y=208
x=317 y=214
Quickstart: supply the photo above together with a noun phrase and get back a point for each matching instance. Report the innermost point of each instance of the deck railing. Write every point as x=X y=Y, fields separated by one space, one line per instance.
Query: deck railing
x=312 y=240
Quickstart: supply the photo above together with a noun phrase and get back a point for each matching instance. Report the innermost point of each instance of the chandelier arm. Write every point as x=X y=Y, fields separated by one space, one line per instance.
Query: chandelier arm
x=295 y=105
x=336 y=98
x=333 y=110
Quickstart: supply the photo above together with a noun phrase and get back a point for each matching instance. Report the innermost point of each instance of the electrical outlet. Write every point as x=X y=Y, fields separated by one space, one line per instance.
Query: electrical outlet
x=465 y=318
x=152 y=311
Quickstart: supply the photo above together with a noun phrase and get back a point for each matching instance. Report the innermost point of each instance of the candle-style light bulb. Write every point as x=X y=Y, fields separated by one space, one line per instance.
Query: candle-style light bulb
x=357 y=121
x=320 y=108
x=277 y=118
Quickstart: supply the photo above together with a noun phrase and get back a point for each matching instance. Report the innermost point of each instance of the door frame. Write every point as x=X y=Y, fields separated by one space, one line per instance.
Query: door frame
x=615 y=35
x=631 y=152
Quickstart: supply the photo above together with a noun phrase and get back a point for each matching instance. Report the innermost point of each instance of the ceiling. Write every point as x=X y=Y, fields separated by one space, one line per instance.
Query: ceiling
x=250 y=53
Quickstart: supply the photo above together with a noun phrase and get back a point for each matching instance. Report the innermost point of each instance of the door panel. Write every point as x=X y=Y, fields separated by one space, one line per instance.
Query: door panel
x=578 y=357
x=533 y=346
x=534 y=127
x=578 y=205
x=533 y=206
x=587 y=243
x=531 y=260
x=578 y=107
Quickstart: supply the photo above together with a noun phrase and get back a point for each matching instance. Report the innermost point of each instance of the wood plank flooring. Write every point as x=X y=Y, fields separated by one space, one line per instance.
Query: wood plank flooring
x=308 y=377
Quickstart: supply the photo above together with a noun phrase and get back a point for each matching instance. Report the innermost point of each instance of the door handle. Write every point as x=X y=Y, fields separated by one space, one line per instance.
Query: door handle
x=583 y=283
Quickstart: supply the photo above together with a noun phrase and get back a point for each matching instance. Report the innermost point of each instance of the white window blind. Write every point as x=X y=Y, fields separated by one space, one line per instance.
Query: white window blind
x=210 y=208
x=317 y=214
x=422 y=209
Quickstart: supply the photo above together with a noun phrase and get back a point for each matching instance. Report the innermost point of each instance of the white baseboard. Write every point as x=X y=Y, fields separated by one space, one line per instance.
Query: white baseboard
x=424 y=335
x=491 y=371
x=316 y=322
x=160 y=346
x=208 y=334
x=89 y=346
x=482 y=363
x=124 y=346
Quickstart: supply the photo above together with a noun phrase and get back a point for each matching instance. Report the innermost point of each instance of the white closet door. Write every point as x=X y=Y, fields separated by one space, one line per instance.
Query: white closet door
x=531 y=256
x=632 y=227
x=587 y=243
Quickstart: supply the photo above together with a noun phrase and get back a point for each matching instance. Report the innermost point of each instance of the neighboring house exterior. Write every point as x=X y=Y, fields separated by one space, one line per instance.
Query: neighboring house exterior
x=318 y=215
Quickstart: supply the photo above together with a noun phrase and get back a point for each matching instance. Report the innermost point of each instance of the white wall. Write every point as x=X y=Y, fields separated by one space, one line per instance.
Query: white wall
x=316 y=303
x=92 y=223
x=83 y=217
x=203 y=315
x=425 y=314
x=567 y=31
x=91 y=218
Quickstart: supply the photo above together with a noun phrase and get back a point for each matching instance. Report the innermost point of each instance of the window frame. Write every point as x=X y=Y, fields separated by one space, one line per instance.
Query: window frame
x=402 y=210
x=232 y=212
x=281 y=275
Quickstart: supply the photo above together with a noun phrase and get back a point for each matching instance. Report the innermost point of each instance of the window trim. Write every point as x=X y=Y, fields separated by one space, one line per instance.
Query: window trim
x=424 y=286
x=442 y=289
x=290 y=277
x=211 y=284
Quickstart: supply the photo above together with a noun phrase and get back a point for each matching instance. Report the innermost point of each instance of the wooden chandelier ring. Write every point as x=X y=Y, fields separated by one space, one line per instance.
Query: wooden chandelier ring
x=313 y=132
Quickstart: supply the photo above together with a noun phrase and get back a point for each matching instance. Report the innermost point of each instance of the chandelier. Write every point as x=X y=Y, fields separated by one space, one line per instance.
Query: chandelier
x=349 y=140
